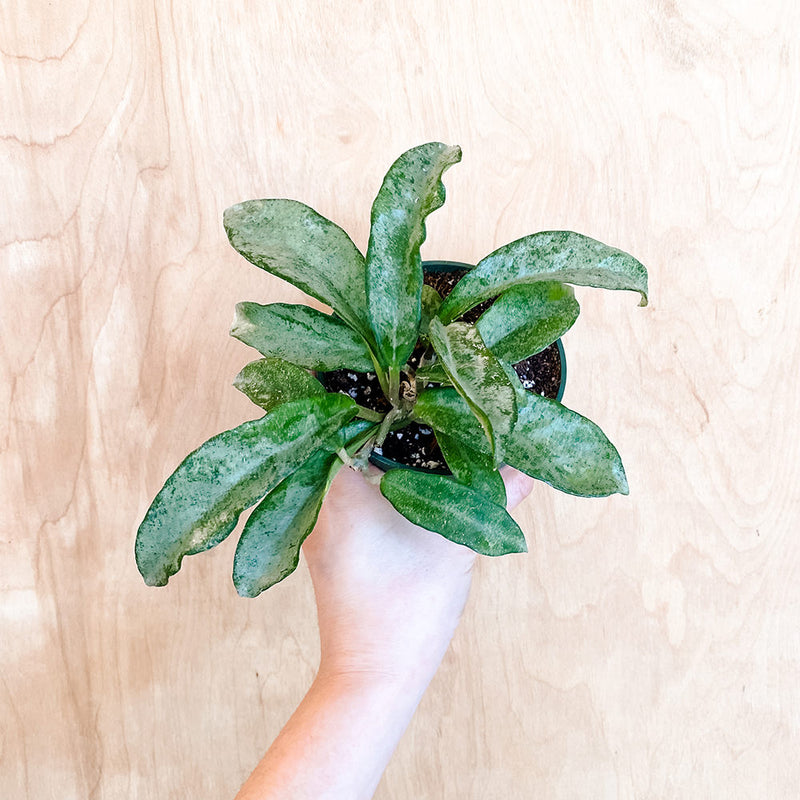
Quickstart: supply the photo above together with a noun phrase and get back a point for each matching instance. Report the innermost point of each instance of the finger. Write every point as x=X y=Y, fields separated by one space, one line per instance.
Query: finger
x=518 y=485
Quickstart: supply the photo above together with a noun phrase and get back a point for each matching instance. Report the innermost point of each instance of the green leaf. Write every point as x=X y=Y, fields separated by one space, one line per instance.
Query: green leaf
x=446 y=411
x=202 y=500
x=294 y=242
x=527 y=318
x=479 y=378
x=302 y=335
x=547 y=256
x=472 y=468
x=431 y=300
x=411 y=190
x=270 y=382
x=433 y=373
x=350 y=436
x=551 y=443
x=463 y=515
x=269 y=548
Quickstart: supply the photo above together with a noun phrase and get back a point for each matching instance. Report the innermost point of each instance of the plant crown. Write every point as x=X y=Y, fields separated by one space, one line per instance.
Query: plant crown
x=463 y=386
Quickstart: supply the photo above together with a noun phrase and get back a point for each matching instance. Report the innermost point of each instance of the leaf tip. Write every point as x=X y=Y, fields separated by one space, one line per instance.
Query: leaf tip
x=236 y=322
x=230 y=216
x=151 y=563
x=250 y=591
x=155 y=581
x=153 y=574
x=453 y=154
x=622 y=480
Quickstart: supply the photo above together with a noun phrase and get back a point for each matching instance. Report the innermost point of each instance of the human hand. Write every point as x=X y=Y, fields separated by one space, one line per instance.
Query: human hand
x=389 y=593
x=389 y=597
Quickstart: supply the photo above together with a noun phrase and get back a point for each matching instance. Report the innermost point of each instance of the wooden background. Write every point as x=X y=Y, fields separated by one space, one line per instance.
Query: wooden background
x=646 y=647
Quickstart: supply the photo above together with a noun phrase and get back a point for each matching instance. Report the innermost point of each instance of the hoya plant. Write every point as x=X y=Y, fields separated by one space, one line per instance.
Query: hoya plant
x=460 y=382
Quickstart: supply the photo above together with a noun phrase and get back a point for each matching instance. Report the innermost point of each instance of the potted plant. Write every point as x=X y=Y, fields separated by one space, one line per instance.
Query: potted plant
x=425 y=362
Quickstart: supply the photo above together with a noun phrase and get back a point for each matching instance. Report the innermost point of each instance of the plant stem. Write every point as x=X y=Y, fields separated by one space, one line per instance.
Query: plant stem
x=380 y=372
x=369 y=414
x=360 y=461
x=386 y=426
x=363 y=441
x=361 y=457
x=345 y=458
x=394 y=388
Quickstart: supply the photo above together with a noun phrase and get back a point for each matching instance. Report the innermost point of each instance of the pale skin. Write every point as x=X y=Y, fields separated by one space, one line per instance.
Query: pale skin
x=389 y=597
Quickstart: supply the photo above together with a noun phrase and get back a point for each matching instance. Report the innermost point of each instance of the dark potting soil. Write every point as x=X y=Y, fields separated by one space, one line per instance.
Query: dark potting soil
x=415 y=445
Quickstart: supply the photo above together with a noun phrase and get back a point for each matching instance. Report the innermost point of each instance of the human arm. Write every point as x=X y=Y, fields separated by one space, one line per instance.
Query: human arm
x=389 y=597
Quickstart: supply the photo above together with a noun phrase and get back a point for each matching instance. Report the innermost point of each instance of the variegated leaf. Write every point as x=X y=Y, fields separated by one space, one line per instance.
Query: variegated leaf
x=269 y=382
x=202 y=500
x=294 y=242
x=301 y=335
x=433 y=373
x=472 y=468
x=551 y=443
x=269 y=547
x=431 y=300
x=527 y=318
x=463 y=515
x=446 y=411
x=562 y=256
x=479 y=378
x=411 y=190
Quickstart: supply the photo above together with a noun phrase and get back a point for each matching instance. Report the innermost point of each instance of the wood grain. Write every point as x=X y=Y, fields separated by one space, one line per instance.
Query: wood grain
x=646 y=647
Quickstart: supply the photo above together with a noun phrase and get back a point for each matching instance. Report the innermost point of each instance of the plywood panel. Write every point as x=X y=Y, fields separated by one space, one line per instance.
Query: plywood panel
x=646 y=647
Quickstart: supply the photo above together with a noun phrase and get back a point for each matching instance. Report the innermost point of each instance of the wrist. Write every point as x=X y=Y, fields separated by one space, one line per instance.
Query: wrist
x=400 y=637
x=356 y=673
x=405 y=651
